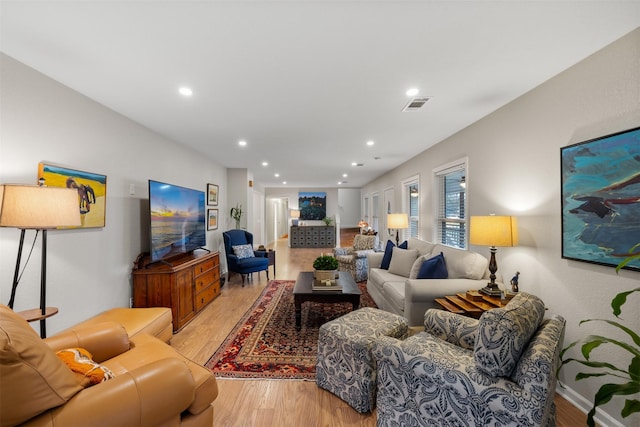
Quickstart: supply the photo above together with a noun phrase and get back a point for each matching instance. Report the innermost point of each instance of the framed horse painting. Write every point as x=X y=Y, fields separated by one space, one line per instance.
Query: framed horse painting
x=91 y=187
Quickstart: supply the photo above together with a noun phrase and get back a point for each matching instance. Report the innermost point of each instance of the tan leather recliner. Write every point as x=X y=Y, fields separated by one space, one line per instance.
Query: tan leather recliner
x=154 y=385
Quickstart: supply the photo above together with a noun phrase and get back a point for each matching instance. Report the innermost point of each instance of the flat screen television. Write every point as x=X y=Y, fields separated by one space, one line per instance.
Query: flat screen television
x=177 y=220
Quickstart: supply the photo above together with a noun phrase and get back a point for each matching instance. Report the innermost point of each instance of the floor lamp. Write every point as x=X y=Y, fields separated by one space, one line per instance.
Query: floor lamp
x=398 y=221
x=30 y=207
x=493 y=231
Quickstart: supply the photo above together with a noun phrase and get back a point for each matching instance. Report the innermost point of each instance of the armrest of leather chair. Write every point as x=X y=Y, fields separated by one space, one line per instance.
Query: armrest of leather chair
x=149 y=395
x=103 y=340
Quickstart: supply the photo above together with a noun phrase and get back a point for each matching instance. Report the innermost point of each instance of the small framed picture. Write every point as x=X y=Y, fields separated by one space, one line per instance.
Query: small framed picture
x=212 y=219
x=212 y=195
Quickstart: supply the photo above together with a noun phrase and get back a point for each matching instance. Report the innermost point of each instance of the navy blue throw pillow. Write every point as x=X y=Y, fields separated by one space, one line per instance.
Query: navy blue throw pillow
x=433 y=268
x=386 y=259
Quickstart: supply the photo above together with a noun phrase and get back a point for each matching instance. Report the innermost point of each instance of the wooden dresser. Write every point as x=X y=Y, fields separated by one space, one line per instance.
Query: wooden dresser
x=185 y=284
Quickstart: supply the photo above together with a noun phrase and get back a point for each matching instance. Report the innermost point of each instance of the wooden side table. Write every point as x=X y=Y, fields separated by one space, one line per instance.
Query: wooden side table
x=36 y=314
x=271 y=254
x=472 y=305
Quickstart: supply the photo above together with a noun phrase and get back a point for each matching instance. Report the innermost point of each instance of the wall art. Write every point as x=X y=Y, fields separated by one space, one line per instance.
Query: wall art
x=212 y=194
x=212 y=219
x=312 y=205
x=92 y=191
x=601 y=198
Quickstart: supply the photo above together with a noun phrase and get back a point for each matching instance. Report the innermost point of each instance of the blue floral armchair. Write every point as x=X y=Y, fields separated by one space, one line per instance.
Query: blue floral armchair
x=499 y=370
x=354 y=259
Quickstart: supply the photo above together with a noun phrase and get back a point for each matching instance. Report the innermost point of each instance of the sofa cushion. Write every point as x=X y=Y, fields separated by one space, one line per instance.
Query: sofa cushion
x=462 y=264
x=39 y=379
x=503 y=334
x=433 y=268
x=402 y=260
x=243 y=251
x=422 y=246
x=388 y=252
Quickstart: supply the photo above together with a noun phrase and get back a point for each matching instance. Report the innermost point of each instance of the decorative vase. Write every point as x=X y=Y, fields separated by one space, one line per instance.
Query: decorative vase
x=321 y=275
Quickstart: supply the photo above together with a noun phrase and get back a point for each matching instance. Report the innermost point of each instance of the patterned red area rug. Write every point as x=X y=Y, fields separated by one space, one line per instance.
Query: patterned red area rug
x=265 y=342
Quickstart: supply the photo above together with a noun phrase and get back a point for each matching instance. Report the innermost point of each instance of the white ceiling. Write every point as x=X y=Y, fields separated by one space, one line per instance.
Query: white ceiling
x=307 y=83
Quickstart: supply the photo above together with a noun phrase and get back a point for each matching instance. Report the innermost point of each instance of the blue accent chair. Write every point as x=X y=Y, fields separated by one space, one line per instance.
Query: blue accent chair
x=246 y=266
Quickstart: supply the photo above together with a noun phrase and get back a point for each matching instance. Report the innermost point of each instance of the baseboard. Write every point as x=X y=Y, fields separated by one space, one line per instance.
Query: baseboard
x=602 y=418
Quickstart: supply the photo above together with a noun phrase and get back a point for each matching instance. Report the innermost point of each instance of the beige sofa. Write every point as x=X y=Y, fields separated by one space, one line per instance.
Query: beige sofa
x=398 y=291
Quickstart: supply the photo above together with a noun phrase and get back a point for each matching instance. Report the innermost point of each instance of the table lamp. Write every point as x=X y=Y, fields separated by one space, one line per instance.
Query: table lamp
x=30 y=207
x=493 y=231
x=295 y=214
x=398 y=221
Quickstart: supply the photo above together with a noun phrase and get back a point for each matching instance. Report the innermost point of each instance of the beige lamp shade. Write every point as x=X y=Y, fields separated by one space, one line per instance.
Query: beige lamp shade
x=494 y=230
x=295 y=213
x=363 y=224
x=398 y=221
x=34 y=207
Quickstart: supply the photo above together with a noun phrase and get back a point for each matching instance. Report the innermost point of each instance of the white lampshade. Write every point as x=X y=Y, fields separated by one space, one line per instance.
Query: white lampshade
x=295 y=213
x=494 y=230
x=34 y=207
x=398 y=221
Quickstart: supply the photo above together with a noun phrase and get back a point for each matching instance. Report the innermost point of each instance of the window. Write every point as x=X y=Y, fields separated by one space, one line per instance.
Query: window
x=375 y=217
x=365 y=209
x=411 y=199
x=451 y=204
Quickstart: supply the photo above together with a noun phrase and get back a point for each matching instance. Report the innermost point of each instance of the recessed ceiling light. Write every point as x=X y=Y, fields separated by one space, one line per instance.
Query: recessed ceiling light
x=265 y=163
x=344 y=175
x=185 y=91
x=242 y=143
x=284 y=182
x=276 y=175
x=370 y=143
x=354 y=163
x=412 y=92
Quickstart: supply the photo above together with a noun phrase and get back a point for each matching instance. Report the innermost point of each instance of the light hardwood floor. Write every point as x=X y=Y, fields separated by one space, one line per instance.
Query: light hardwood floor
x=280 y=402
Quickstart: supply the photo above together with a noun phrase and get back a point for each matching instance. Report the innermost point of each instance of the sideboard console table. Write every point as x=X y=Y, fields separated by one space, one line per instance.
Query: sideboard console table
x=185 y=284
x=312 y=236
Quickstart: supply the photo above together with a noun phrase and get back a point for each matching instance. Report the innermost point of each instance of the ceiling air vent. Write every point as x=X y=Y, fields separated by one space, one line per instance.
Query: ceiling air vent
x=415 y=104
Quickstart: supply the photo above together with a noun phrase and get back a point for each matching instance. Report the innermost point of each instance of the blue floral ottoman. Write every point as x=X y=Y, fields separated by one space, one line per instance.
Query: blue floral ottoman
x=345 y=365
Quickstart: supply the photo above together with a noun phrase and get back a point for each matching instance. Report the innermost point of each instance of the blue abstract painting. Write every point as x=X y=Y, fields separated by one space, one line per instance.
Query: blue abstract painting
x=601 y=199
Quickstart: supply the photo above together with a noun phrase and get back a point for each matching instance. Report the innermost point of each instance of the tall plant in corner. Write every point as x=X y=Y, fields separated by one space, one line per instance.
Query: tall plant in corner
x=630 y=376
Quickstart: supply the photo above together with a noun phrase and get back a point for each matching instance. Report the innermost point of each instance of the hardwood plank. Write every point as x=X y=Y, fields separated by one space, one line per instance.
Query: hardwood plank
x=278 y=402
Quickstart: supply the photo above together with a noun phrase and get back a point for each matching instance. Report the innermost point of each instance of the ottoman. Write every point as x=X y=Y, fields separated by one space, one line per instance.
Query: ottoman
x=345 y=366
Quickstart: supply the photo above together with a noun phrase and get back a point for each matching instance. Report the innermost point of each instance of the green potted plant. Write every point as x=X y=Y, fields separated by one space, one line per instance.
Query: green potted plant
x=326 y=267
x=327 y=221
x=236 y=214
x=628 y=378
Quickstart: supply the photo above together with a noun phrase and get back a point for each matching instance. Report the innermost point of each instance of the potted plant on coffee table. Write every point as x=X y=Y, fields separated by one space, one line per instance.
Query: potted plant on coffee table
x=325 y=268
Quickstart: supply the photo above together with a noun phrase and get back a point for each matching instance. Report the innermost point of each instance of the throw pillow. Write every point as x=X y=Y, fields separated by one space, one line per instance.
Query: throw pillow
x=401 y=261
x=388 y=252
x=433 y=268
x=504 y=333
x=79 y=360
x=243 y=251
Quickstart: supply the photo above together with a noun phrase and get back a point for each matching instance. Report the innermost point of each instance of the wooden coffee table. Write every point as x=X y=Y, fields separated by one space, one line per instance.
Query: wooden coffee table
x=473 y=307
x=303 y=292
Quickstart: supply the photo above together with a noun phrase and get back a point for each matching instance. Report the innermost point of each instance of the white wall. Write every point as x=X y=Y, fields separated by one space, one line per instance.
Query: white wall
x=88 y=270
x=514 y=169
x=349 y=207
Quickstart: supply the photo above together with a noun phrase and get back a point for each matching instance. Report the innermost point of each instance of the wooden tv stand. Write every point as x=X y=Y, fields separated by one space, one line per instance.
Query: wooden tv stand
x=185 y=284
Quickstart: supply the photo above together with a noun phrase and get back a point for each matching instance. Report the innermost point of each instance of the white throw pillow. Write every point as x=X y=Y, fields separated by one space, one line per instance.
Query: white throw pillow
x=402 y=260
x=243 y=251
